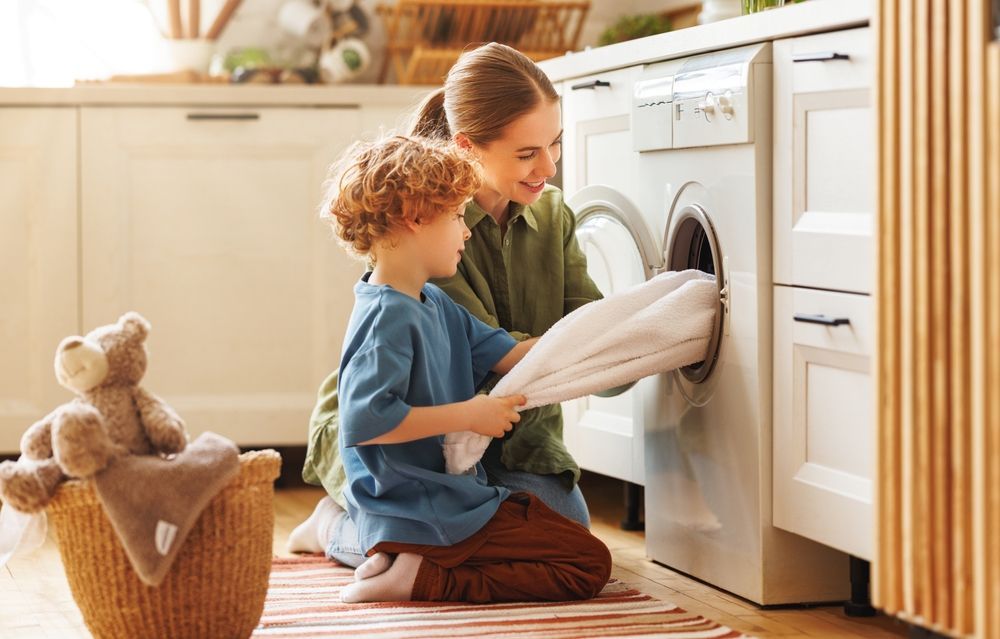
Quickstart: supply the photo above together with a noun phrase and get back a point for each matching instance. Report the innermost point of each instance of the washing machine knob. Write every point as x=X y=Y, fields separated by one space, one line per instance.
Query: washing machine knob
x=707 y=106
x=726 y=105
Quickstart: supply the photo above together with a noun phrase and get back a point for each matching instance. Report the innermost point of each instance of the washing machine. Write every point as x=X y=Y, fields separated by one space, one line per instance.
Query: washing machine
x=605 y=432
x=702 y=131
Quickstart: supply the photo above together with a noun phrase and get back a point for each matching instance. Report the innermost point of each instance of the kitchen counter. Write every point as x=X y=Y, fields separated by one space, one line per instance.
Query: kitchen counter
x=813 y=16
x=214 y=95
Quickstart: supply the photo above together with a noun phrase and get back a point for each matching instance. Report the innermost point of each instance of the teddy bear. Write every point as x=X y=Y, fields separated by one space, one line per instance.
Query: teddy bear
x=111 y=416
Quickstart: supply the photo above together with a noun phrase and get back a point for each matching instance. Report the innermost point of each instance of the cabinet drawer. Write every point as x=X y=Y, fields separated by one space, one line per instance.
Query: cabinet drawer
x=821 y=319
x=829 y=61
x=824 y=436
x=601 y=95
x=824 y=162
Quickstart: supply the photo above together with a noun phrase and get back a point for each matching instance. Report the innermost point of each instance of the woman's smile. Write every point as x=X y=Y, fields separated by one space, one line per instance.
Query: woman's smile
x=534 y=187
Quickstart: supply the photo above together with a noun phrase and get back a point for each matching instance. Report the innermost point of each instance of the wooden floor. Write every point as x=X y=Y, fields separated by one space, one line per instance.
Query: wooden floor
x=35 y=600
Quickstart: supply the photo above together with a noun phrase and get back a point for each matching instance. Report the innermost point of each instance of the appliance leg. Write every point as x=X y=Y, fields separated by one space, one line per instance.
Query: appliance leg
x=916 y=632
x=633 y=497
x=860 y=603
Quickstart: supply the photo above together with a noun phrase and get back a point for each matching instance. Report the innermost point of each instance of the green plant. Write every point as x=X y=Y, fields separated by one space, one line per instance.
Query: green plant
x=632 y=27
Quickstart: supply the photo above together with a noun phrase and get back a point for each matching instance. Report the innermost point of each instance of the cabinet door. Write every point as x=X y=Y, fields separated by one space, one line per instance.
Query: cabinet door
x=38 y=261
x=824 y=161
x=205 y=221
x=597 y=139
x=824 y=426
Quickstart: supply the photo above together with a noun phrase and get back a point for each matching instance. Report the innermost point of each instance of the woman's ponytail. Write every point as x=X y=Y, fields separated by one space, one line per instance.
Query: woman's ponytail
x=430 y=120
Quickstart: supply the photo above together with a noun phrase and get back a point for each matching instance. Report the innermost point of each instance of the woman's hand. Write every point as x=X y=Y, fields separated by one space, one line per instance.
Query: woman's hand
x=493 y=416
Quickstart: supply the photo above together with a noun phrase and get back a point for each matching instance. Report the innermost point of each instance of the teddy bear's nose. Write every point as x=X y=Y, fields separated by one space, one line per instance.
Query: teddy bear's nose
x=72 y=343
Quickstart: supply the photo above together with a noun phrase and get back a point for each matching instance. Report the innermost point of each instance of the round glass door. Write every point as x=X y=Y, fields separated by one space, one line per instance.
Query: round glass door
x=613 y=237
x=692 y=243
x=614 y=261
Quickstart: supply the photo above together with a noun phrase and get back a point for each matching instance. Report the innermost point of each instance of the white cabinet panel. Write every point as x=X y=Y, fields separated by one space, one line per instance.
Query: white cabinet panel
x=824 y=427
x=205 y=221
x=824 y=161
x=597 y=139
x=38 y=261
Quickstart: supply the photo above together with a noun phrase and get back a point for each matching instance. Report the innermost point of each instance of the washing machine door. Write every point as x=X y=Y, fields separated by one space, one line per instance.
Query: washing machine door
x=614 y=237
x=690 y=242
x=605 y=434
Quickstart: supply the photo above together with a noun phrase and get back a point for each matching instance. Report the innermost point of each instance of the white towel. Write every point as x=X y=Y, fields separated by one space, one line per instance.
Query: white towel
x=651 y=328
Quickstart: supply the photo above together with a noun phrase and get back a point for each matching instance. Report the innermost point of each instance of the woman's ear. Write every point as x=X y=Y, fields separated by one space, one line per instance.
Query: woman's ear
x=463 y=141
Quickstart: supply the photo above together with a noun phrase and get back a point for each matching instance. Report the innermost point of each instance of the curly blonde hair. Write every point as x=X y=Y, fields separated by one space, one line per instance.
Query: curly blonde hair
x=377 y=188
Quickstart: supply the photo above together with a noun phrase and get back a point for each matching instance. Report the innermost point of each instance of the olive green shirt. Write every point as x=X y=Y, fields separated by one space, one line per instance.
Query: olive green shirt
x=523 y=280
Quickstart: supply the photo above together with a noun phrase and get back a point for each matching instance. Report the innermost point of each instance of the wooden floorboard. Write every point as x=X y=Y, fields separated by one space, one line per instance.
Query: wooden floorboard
x=35 y=601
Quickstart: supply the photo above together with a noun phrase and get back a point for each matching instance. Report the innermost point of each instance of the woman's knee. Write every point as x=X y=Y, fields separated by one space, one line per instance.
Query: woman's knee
x=551 y=489
x=595 y=568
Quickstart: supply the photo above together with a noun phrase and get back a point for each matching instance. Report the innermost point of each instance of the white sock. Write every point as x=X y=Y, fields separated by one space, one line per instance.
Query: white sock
x=313 y=535
x=374 y=565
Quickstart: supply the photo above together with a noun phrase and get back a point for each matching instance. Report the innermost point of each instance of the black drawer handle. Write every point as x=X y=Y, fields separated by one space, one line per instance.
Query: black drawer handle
x=593 y=84
x=201 y=117
x=821 y=319
x=826 y=56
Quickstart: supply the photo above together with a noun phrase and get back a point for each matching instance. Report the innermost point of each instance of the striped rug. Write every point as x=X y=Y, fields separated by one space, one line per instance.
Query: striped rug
x=304 y=601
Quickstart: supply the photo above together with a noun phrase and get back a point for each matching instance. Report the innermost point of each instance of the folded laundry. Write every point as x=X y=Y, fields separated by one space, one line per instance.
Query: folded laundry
x=657 y=326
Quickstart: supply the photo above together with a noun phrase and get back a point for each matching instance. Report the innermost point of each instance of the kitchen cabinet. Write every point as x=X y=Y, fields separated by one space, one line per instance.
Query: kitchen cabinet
x=205 y=221
x=824 y=439
x=824 y=269
x=38 y=260
x=204 y=218
x=824 y=161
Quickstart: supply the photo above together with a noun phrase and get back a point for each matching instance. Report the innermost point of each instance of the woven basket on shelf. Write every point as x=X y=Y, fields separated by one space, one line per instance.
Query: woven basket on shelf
x=218 y=581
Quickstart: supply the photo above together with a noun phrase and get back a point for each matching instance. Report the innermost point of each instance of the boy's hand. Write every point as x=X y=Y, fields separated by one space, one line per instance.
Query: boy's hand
x=493 y=416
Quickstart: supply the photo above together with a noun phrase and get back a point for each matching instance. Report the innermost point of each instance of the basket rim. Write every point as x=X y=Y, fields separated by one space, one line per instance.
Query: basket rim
x=256 y=467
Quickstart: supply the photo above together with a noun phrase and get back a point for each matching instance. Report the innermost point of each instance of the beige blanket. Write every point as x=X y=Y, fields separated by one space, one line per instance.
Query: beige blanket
x=154 y=502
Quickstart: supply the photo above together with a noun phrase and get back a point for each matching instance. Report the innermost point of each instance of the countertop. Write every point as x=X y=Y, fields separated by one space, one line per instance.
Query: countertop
x=813 y=16
x=342 y=95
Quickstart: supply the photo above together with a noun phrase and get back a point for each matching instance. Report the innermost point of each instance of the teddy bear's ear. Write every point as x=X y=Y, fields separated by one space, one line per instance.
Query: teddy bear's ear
x=134 y=324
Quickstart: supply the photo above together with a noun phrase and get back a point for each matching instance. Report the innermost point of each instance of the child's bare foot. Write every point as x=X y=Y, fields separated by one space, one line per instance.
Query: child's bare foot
x=374 y=565
x=313 y=534
x=395 y=584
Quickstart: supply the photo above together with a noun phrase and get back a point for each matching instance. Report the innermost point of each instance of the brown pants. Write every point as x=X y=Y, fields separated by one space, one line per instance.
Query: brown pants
x=526 y=552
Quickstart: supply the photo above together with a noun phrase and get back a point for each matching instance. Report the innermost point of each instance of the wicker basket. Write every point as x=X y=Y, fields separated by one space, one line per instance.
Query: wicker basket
x=218 y=581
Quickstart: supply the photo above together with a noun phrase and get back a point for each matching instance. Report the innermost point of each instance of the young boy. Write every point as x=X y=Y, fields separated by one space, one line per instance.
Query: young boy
x=411 y=362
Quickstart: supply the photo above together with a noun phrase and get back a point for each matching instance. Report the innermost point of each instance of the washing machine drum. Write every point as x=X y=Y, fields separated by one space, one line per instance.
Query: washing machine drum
x=692 y=243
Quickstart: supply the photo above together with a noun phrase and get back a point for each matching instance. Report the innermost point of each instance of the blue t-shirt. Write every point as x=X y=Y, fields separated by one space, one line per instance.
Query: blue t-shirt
x=399 y=353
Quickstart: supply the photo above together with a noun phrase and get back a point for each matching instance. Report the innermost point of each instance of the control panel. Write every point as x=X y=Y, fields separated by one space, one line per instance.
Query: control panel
x=703 y=100
x=713 y=96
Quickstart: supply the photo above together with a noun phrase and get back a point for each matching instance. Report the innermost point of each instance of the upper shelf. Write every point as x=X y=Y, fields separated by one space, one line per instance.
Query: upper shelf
x=813 y=16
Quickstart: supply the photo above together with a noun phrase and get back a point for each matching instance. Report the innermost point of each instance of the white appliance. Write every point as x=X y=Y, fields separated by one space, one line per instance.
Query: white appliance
x=704 y=184
x=605 y=434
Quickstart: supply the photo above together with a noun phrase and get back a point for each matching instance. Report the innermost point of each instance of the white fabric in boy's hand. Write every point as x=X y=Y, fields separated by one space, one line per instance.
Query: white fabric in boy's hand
x=651 y=328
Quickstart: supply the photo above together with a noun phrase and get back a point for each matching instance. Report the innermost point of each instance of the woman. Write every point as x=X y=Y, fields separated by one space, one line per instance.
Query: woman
x=522 y=270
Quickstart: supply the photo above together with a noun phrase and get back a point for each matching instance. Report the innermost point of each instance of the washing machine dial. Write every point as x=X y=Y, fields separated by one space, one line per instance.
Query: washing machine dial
x=725 y=103
x=707 y=106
